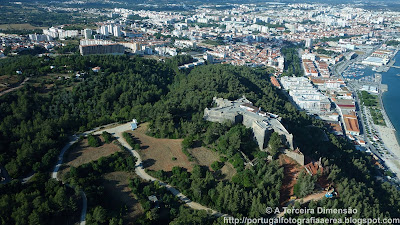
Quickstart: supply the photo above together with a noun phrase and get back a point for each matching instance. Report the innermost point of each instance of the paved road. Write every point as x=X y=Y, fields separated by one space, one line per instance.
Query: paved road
x=73 y=140
x=117 y=132
x=22 y=180
x=84 y=208
x=54 y=174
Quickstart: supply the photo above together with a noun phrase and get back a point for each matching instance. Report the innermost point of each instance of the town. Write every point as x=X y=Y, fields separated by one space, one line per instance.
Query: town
x=157 y=103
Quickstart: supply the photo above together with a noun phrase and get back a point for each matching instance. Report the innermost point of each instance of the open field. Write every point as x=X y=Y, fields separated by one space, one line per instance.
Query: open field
x=157 y=153
x=119 y=195
x=205 y=157
x=22 y=26
x=48 y=82
x=291 y=171
x=83 y=153
x=228 y=170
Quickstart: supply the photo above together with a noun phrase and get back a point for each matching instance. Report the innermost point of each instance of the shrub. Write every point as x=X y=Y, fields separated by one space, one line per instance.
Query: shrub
x=108 y=138
x=217 y=165
x=137 y=146
x=223 y=159
x=93 y=141
x=129 y=138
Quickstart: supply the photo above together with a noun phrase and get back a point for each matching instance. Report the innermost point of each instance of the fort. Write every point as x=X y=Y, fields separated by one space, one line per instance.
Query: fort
x=242 y=111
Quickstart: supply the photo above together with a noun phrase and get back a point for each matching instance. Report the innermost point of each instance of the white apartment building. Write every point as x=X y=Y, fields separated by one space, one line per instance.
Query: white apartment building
x=305 y=95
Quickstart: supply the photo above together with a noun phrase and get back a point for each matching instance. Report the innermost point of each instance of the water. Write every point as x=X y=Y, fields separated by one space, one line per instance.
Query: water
x=391 y=98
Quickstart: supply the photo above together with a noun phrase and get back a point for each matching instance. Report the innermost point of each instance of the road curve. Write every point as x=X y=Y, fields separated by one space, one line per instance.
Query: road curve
x=117 y=132
x=73 y=139
x=54 y=174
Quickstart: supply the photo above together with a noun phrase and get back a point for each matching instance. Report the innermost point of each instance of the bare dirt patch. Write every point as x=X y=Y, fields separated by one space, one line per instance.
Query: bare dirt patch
x=205 y=157
x=228 y=170
x=119 y=195
x=158 y=153
x=291 y=171
x=83 y=153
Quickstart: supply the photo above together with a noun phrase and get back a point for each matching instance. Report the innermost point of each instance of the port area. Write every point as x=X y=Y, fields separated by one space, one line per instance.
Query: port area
x=375 y=126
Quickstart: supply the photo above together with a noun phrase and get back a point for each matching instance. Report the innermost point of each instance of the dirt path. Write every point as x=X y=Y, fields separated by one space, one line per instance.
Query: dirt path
x=291 y=171
x=314 y=197
x=14 y=88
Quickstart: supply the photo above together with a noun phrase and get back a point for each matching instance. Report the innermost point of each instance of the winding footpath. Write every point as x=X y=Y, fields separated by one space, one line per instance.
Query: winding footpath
x=117 y=133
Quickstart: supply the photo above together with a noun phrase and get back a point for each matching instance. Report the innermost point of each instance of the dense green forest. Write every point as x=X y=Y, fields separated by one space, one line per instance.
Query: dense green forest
x=248 y=194
x=34 y=126
x=42 y=201
x=168 y=209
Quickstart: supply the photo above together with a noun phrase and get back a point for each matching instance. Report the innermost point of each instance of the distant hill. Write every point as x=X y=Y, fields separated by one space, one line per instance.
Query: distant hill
x=184 y=5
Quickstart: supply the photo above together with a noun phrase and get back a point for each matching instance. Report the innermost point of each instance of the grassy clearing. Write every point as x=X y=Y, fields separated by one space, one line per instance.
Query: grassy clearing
x=82 y=153
x=205 y=157
x=158 y=153
x=164 y=154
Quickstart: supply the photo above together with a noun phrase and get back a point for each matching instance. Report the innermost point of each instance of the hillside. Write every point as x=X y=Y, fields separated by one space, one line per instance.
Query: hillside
x=33 y=126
